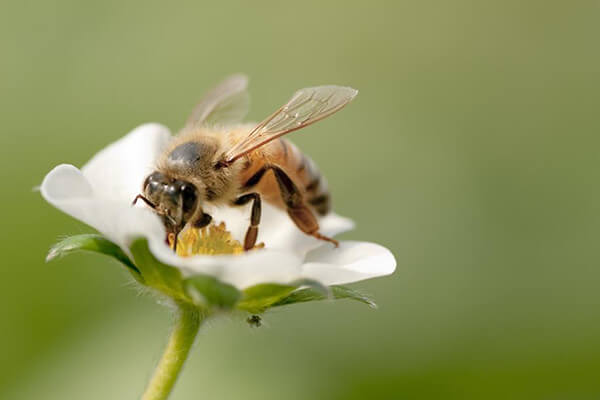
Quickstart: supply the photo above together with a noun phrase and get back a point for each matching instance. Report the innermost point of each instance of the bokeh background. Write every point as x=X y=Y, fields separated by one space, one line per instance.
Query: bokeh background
x=471 y=152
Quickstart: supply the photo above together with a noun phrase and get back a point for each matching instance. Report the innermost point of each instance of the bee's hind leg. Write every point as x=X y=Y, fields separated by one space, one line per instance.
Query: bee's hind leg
x=252 y=232
x=297 y=209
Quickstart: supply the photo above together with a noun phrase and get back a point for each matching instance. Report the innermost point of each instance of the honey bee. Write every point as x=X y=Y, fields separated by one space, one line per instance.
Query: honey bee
x=218 y=160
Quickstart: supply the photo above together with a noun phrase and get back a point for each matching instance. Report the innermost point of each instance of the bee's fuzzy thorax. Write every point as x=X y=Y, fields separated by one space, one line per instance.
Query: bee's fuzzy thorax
x=193 y=156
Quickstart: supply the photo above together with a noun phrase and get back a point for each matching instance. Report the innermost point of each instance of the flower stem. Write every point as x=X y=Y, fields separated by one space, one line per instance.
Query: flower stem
x=187 y=323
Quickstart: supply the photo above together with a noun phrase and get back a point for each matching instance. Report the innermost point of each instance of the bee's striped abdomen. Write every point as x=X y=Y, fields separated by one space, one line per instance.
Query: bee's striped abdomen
x=315 y=186
x=301 y=169
x=308 y=177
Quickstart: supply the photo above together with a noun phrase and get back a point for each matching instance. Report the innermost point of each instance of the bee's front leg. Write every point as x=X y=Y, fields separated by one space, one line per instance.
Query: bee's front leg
x=252 y=232
x=203 y=220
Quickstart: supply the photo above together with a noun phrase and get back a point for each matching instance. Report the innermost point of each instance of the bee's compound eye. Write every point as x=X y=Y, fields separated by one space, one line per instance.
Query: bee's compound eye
x=153 y=187
x=155 y=177
x=187 y=188
x=188 y=193
x=172 y=191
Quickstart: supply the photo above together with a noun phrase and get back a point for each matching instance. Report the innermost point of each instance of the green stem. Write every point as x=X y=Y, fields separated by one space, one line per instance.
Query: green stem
x=184 y=332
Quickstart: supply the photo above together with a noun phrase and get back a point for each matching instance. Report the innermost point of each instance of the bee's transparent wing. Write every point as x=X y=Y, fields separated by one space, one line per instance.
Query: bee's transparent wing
x=306 y=107
x=226 y=104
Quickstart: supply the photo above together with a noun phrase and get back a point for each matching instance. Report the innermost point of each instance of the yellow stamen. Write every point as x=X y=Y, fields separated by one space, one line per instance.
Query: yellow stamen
x=210 y=240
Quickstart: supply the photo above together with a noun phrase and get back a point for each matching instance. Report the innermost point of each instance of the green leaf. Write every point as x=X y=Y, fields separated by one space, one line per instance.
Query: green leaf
x=258 y=298
x=208 y=291
x=93 y=243
x=318 y=287
x=160 y=276
x=337 y=292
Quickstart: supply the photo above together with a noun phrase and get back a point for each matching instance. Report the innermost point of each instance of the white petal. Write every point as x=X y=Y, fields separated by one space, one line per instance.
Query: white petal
x=351 y=262
x=276 y=229
x=67 y=189
x=280 y=262
x=280 y=232
x=65 y=182
x=333 y=224
x=241 y=271
x=118 y=171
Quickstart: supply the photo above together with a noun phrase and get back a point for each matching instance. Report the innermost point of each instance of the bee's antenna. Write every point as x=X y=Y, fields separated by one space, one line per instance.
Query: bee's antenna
x=145 y=200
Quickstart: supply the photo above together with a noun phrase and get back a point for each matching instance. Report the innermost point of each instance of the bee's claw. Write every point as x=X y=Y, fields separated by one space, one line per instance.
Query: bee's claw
x=326 y=239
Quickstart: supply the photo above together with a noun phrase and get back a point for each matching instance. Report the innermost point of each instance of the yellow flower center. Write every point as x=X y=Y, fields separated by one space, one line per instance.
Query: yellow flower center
x=210 y=240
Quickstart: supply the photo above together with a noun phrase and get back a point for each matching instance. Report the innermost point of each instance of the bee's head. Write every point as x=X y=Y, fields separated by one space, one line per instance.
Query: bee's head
x=175 y=200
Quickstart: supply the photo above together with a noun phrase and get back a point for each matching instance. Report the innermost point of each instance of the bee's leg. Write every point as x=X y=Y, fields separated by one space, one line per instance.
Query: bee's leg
x=252 y=232
x=298 y=211
x=203 y=220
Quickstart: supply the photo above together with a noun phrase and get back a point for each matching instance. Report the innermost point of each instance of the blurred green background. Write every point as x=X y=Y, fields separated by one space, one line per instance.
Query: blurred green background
x=471 y=152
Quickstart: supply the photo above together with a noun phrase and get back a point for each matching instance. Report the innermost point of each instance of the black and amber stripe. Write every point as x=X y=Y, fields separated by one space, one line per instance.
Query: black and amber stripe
x=302 y=171
x=315 y=185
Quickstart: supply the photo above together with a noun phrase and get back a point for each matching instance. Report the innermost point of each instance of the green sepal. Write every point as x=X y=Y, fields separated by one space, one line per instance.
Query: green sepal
x=316 y=286
x=257 y=299
x=93 y=243
x=337 y=292
x=208 y=291
x=156 y=274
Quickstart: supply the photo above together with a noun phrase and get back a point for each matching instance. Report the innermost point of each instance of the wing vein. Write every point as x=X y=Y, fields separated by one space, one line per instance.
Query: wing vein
x=305 y=107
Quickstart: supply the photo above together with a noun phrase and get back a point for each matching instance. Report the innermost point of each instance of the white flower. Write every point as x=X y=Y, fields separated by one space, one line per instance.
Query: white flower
x=100 y=195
